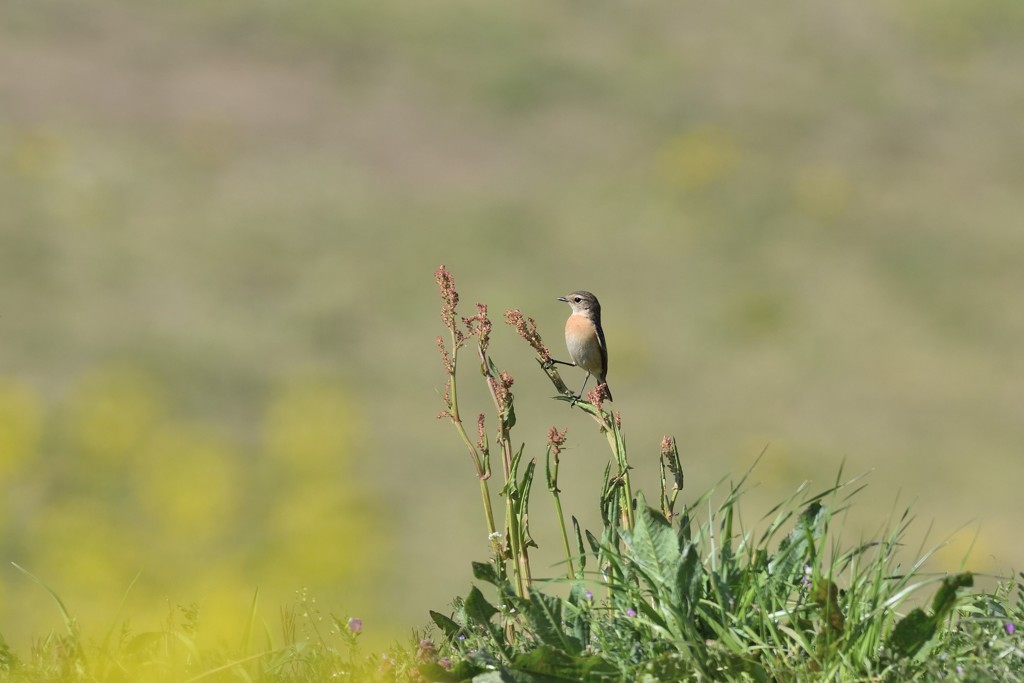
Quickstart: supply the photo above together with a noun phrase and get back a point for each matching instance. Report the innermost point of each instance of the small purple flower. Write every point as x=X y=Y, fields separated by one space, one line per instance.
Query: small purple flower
x=462 y=636
x=590 y=595
x=355 y=625
x=631 y=612
x=1010 y=628
x=959 y=671
x=806 y=578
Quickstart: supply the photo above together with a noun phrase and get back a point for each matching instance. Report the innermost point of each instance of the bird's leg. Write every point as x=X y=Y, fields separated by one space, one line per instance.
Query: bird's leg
x=580 y=397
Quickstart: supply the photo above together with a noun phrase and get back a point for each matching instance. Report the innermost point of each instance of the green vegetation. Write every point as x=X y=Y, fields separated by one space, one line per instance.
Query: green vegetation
x=694 y=595
x=802 y=220
x=655 y=594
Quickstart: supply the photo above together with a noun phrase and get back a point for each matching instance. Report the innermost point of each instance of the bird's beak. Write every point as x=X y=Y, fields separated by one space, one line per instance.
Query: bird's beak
x=562 y=298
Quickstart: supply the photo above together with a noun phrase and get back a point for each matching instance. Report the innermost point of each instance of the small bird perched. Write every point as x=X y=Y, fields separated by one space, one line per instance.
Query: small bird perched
x=585 y=338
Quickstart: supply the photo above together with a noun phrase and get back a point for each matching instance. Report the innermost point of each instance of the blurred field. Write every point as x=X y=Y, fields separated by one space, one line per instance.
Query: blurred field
x=220 y=223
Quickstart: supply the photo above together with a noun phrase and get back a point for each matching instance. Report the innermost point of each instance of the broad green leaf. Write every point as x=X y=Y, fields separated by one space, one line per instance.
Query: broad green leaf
x=918 y=627
x=689 y=584
x=579 y=620
x=654 y=544
x=448 y=626
x=554 y=666
x=484 y=571
x=430 y=671
x=479 y=613
x=546 y=615
x=500 y=677
x=800 y=546
x=912 y=632
x=945 y=598
x=478 y=609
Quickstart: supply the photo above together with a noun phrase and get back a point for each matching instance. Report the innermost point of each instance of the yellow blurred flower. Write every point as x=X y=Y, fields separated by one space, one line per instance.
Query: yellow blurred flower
x=319 y=519
x=328 y=532
x=81 y=544
x=21 y=424
x=113 y=410
x=187 y=482
x=310 y=424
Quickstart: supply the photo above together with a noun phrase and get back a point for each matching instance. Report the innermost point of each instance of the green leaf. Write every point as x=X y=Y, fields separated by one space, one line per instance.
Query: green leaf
x=494 y=677
x=578 y=620
x=918 y=627
x=554 y=666
x=479 y=613
x=508 y=417
x=478 y=609
x=488 y=573
x=521 y=503
x=654 y=544
x=69 y=621
x=579 y=545
x=689 y=579
x=448 y=626
x=549 y=474
x=546 y=615
x=430 y=671
x=595 y=545
x=800 y=546
x=484 y=571
x=912 y=632
x=468 y=669
x=684 y=532
x=511 y=488
x=527 y=481
x=945 y=598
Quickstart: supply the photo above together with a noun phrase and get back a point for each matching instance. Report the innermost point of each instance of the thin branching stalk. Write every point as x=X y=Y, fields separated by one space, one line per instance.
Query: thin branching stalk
x=479 y=456
x=499 y=385
x=513 y=543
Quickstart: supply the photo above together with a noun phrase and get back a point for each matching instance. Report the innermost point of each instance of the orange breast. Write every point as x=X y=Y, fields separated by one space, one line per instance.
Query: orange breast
x=584 y=346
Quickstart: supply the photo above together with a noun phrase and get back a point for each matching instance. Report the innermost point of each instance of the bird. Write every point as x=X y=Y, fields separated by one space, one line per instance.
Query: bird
x=584 y=338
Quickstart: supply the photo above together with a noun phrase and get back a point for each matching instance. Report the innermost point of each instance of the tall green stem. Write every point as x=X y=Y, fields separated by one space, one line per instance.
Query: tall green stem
x=480 y=463
x=565 y=535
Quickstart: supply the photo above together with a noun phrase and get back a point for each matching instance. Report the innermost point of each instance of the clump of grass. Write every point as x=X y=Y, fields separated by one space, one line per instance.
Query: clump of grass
x=660 y=595
x=305 y=646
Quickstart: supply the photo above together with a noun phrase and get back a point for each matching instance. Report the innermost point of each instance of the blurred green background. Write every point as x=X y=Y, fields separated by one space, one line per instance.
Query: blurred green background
x=220 y=222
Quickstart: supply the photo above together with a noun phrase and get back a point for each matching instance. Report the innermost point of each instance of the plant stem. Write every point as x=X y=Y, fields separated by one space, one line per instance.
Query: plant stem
x=513 y=524
x=515 y=545
x=618 y=446
x=485 y=496
x=565 y=534
x=480 y=463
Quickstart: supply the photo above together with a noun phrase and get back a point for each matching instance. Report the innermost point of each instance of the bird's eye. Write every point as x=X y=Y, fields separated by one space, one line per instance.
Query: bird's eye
x=578 y=299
